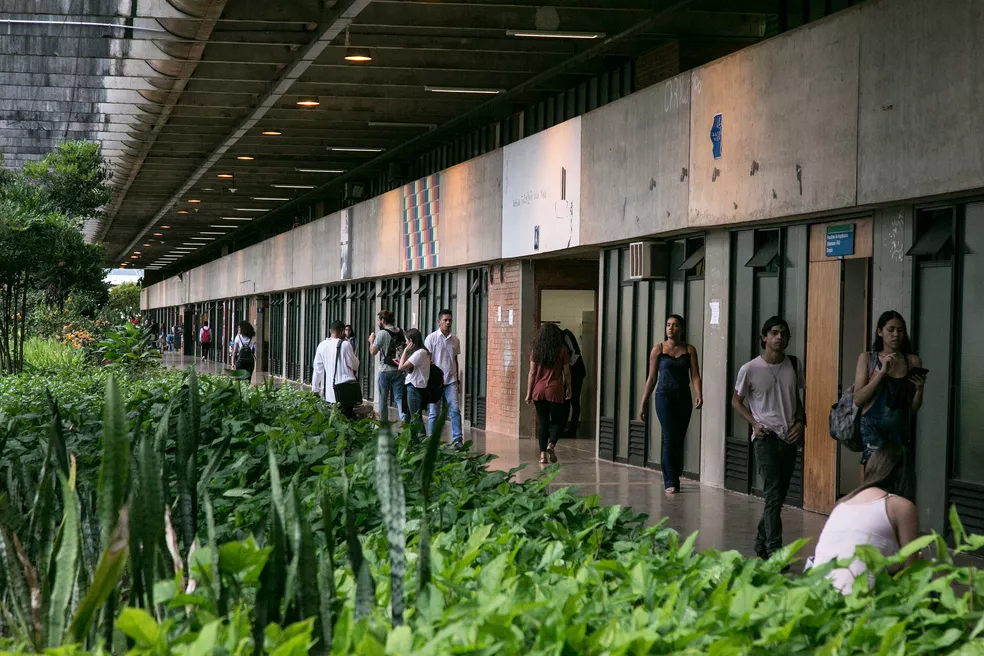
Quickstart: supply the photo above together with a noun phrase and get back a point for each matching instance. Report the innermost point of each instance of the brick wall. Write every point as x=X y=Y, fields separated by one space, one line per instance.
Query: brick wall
x=657 y=65
x=504 y=357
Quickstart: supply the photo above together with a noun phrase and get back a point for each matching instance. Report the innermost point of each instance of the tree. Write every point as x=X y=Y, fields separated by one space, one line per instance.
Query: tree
x=124 y=302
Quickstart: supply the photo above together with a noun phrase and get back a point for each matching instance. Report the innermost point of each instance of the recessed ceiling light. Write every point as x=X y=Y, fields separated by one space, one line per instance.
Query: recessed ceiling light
x=308 y=102
x=245 y=158
x=134 y=257
x=207 y=189
x=401 y=124
x=158 y=234
x=269 y=199
x=236 y=218
x=182 y=211
x=203 y=239
x=194 y=200
x=251 y=209
x=165 y=227
x=476 y=90
x=205 y=232
x=551 y=34
x=356 y=150
x=138 y=252
x=293 y=186
x=319 y=170
x=224 y=176
x=223 y=226
x=147 y=245
x=272 y=133
x=358 y=55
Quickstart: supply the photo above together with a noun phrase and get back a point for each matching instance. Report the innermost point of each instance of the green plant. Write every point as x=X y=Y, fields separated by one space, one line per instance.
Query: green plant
x=128 y=345
x=49 y=353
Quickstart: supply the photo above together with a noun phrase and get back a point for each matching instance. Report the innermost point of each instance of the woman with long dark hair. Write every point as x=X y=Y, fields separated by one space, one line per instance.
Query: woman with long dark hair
x=548 y=388
x=673 y=368
x=244 y=349
x=877 y=514
x=415 y=362
x=885 y=388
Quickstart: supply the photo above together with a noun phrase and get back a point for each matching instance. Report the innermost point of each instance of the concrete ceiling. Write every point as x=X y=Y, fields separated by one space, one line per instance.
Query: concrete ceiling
x=177 y=91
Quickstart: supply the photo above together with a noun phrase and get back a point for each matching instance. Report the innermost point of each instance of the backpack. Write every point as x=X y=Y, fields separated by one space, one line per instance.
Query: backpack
x=245 y=358
x=434 y=391
x=206 y=335
x=396 y=346
x=844 y=421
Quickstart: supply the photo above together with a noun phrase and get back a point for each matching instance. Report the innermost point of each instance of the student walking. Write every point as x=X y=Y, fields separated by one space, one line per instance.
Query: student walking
x=578 y=373
x=445 y=348
x=673 y=368
x=770 y=386
x=888 y=386
x=205 y=339
x=877 y=514
x=244 y=349
x=548 y=388
x=389 y=343
x=337 y=356
x=415 y=362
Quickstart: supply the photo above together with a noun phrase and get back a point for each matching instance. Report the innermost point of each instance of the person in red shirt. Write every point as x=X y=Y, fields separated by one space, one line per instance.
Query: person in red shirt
x=548 y=387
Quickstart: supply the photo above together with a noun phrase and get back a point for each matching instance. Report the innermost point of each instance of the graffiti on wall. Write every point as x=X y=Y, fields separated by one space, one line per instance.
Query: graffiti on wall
x=421 y=216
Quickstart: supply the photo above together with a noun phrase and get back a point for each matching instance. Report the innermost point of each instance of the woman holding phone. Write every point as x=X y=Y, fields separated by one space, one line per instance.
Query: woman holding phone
x=888 y=385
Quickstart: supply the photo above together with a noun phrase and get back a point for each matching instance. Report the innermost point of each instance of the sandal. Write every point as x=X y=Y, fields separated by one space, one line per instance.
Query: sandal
x=551 y=453
x=543 y=458
x=670 y=490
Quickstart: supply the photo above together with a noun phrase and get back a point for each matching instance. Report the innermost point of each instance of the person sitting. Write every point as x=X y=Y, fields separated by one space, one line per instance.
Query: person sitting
x=877 y=513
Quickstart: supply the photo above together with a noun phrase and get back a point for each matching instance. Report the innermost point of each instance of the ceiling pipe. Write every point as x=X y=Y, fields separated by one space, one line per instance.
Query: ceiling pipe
x=344 y=13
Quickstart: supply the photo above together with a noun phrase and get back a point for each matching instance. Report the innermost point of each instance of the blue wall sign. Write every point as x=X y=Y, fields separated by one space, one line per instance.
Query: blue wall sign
x=840 y=240
x=716 y=135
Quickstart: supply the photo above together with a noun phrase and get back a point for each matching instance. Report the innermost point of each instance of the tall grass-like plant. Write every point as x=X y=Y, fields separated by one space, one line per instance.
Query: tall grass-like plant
x=48 y=353
x=392 y=503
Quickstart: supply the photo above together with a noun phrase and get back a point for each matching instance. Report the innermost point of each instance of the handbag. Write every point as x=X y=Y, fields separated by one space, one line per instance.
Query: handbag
x=348 y=393
x=844 y=420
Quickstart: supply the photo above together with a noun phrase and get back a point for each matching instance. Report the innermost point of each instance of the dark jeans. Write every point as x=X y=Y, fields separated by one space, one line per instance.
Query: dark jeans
x=578 y=374
x=777 y=461
x=415 y=407
x=390 y=385
x=673 y=408
x=550 y=420
x=206 y=349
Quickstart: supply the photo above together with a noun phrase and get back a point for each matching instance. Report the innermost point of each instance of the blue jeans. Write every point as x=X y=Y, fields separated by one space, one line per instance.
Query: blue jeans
x=415 y=403
x=391 y=385
x=673 y=407
x=451 y=398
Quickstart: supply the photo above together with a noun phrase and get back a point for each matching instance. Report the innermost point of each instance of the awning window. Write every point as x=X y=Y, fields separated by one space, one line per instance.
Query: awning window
x=765 y=254
x=692 y=261
x=934 y=240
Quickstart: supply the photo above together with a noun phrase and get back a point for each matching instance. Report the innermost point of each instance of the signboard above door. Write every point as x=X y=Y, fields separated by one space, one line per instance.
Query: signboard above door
x=840 y=240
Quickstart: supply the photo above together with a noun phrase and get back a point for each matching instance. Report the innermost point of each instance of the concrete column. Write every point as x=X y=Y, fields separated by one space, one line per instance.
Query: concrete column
x=527 y=329
x=891 y=275
x=261 y=310
x=460 y=309
x=714 y=363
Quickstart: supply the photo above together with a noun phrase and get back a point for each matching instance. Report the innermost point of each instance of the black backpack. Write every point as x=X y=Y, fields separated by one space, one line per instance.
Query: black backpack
x=245 y=358
x=397 y=344
x=434 y=391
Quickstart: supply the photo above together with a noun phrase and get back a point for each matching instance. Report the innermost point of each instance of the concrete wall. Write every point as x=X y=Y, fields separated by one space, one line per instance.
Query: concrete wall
x=714 y=362
x=877 y=104
x=635 y=162
x=891 y=276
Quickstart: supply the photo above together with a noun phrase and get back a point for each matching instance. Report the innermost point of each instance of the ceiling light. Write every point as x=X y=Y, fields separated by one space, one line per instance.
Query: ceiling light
x=205 y=232
x=478 y=90
x=308 y=103
x=272 y=133
x=147 y=245
x=355 y=150
x=223 y=226
x=191 y=243
x=158 y=234
x=319 y=170
x=550 y=34
x=269 y=199
x=245 y=158
x=236 y=218
x=250 y=209
x=182 y=211
x=293 y=186
x=203 y=239
x=134 y=257
x=138 y=252
x=207 y=189
x=225 y=176
x=401 y=124
x=194 y=200
x=165 y=227
x=355 y=54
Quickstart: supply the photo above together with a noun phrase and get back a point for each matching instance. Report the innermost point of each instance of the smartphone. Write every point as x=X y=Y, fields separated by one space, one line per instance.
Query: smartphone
x=916 y=371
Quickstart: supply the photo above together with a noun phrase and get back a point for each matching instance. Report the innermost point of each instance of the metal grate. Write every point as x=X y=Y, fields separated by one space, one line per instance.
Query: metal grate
x=637 y=443
x=969 y=501
x=293 y=335
x=737 y=460
x=312 y=330
x=606 y=438
x=276 y=361
x=476 y=346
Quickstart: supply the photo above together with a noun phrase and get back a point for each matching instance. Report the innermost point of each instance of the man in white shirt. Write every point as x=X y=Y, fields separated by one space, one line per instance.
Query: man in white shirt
x=770 y=385
x=445 y=349
x=344 y=369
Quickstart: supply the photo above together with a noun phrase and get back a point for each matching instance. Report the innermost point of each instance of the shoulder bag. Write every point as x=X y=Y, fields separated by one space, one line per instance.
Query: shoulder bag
x=347 y=393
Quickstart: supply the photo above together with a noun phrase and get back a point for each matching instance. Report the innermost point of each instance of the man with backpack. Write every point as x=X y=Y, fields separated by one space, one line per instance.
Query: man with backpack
x=770 y=385
x=445 y=349
x=389 y=343
x=205 y=339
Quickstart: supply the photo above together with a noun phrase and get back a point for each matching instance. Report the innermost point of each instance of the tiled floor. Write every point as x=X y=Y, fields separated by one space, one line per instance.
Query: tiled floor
x=724 y=520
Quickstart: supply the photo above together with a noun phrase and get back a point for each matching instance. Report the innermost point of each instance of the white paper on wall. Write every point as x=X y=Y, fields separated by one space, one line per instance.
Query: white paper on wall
x=541 y=191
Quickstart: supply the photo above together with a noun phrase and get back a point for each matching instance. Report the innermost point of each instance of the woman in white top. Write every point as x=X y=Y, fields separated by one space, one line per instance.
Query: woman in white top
x=244 y=349
x=325 y=360
x=877 y=513
x=415 y=362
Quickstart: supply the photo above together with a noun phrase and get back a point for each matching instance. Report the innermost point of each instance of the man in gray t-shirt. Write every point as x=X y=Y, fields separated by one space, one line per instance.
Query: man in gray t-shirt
x=770 y=386
x=391 y=382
